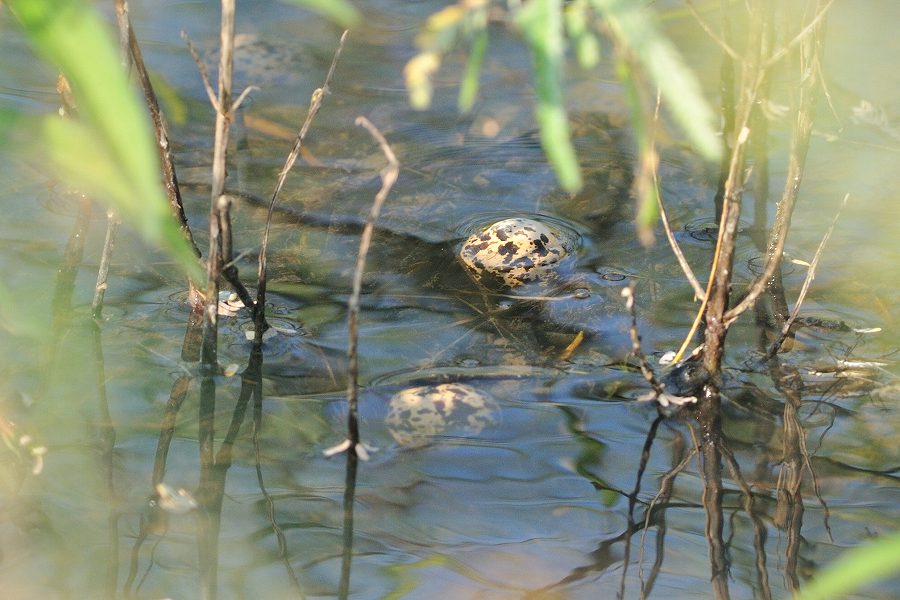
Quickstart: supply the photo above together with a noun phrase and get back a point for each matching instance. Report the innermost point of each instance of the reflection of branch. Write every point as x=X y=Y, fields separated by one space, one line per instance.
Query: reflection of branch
x=105 y=435
x=711 y=441
x=759 y=528
x=789 y=509
x=255 y=379
x=349 y=496
x=632 y=497
x=157 y=519
x=662 y=496
x=214 y=466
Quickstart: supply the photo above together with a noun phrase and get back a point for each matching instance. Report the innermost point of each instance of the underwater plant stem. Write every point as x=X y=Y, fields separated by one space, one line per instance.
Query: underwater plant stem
x=388 y=178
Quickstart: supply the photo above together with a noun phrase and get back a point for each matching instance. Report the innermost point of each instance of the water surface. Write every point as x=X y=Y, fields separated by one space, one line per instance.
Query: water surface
x=535 y=505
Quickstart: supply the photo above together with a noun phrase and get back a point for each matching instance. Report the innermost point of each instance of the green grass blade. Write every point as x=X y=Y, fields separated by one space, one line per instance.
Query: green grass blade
x=542 y=23
x=635 y=28
x=468 y=89
x=110 y=151
x=856 y=567
x=340 y=11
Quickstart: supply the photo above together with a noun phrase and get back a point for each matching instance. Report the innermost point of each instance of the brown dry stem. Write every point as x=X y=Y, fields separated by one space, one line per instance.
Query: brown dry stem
x=315 y=104
x=809 y=66
x=807 y=281
x=388 y=177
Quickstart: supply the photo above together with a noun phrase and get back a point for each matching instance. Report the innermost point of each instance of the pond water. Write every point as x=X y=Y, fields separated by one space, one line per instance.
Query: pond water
x=548 y=497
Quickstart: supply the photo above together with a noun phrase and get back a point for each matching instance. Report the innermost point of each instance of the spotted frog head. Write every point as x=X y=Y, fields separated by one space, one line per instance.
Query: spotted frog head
x=515 y=251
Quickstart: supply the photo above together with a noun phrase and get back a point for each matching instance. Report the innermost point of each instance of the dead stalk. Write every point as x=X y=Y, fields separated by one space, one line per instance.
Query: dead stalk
x=388 y=177
x=112 y=218
x=315 y=104
x=809 y=67
x=646 y=370
x=664 y=217
x=220 y=203
x=810 y=275
x=170 y=179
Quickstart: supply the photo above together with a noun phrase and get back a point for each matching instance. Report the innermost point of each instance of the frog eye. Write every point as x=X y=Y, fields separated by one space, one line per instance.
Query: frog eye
x=515 y=251
x=418 y=415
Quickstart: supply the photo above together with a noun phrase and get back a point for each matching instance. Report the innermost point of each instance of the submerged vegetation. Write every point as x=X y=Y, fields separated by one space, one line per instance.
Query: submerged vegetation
x=104 y=145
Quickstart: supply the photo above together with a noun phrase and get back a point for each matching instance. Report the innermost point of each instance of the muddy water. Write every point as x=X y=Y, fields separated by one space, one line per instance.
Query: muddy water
x=541 y=499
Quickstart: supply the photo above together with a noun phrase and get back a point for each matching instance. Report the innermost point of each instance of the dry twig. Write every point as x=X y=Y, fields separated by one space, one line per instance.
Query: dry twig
x=810 y=275
x=646 y=370
x=388 y=178
x=810 y=60
x=664 y=217
x=315 y=104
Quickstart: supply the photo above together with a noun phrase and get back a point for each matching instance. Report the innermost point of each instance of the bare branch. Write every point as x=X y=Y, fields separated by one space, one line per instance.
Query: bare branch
x=784 y=50
x=797 y=161
x=315 y=104
x=719 y=40
x=220 y=204
x=810 y=275
x=204 y=73
x=388 y=178
x=240 y=99
x=646 y=370
x=673 y=243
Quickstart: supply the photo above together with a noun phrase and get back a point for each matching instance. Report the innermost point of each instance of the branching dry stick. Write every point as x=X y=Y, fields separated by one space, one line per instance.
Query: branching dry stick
x=809 y=82
x=673 y=243
x=219 y=259
x=646 y=371
x=315 y=104
x=219 y=203
x=719 y=40
x=222 y=204
x=388 y=178
x=716 y=300
x=810 y=275
x=816 y=24
x=112 y=218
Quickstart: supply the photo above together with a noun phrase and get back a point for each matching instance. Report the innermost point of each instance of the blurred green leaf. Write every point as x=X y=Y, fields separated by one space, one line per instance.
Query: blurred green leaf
x=110 y=150
x=856 y=567
x=542 y=24
x=468 y=89
x=174 y=107
x=647 y=212
x=635 y=28
x=587 y=48
x=340 y=11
